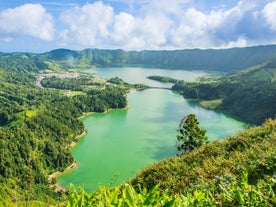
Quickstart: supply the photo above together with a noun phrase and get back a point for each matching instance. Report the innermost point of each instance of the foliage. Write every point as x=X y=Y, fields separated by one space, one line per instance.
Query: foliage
x=38 y=125
x=120 y=196
x=63 y=59
x=36 y=129
x=222 y=191
x=252 y=150
x=22 y=62
x=249 y=94
x=190 y=136
x=162 y=79
x=119 y=82
x=66 y=83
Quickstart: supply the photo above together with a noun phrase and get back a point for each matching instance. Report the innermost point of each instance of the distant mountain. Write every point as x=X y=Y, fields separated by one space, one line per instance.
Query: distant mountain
x=224 y=60
x=233 y=59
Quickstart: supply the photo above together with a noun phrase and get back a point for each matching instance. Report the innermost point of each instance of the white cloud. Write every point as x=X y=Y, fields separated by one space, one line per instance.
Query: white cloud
x=88 y=25
x=240 y=42
x=154 y=30
x=28 y=19
x=152 y=24
x=124 y=25
x=196 y=28
x=162 y=24
x=269 y=13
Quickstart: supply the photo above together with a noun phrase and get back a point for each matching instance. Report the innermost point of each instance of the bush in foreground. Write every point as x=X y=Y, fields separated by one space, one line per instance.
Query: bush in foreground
x=223 y=191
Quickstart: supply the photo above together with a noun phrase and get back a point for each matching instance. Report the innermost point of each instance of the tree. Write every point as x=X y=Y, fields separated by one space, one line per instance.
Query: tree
x=4 y=118
x=190 y=136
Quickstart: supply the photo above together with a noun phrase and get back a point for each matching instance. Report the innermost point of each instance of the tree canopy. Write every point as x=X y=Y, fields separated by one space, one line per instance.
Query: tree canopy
x=190 y=136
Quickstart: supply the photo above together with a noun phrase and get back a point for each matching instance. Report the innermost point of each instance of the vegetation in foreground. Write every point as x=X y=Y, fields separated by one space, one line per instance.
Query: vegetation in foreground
x=190 y=136
x=239 y=171
x=36 y=130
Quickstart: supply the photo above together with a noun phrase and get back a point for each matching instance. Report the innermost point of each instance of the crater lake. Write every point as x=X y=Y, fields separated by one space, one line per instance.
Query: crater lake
x=122 y=141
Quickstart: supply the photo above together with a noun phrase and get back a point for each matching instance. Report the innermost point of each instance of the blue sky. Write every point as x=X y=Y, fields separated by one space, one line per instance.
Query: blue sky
x=43 y=25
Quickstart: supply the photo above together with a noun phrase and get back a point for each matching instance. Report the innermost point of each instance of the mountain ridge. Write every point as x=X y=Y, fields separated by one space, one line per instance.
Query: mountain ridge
x=221 y=60
x=231 y=59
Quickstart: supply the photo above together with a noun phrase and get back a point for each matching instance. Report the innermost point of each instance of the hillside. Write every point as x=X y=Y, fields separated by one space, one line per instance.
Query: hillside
x=223 y=60
x=38 y=123
x=212 y=59
x=249 y=94
x=239 y=171
x=37 y=128
x=252 y=150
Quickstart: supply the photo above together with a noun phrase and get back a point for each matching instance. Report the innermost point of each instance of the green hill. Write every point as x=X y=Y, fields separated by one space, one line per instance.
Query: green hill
x=239 y=171
x=253 y=150
x=224 y=60
x=212 y=59
x=37 y=125
x=249 y=94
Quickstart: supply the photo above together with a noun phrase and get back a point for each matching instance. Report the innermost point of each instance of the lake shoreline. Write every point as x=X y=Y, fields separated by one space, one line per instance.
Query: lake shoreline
x=154 y=117
x=69 y=168
x=75 y=164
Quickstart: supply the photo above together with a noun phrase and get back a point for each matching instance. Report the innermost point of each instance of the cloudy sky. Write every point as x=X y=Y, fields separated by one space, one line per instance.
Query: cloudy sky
x=43 y=25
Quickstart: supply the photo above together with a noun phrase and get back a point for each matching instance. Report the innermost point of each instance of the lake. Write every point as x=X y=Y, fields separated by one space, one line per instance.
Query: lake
x=121 y=142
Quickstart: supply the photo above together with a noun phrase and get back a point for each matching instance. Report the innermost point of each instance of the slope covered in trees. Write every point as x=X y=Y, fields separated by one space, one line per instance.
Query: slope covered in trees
x=36 y=129
x=38 y=125
x=225 y=60
x=252 y=150
x=211 y=59
x=249 y=94
x=239 y=171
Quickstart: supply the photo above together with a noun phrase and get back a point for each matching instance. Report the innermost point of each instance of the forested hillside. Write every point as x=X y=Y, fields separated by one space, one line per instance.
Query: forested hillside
x=214 y=173
x=37 y=127
x=42 y=98
x=23 y=62
x=239 y=171
x=216 y=60
x=249 y=94
x=224 y=60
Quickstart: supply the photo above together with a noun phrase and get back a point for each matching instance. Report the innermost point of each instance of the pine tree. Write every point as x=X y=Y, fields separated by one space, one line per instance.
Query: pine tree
x=190 y=136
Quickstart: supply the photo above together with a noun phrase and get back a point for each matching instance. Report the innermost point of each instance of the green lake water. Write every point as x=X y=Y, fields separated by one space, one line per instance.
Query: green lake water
x=121 y=142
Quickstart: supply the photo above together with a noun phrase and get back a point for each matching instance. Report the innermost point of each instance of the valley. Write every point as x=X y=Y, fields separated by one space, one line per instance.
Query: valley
x=43 y=96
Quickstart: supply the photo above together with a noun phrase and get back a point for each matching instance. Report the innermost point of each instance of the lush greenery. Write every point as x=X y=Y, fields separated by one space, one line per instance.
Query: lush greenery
x=249 y=94
x=215 y=60
x=239 y=171
x=190 y=135
x=38 y=124
x=23 y=62
x=118 y=81
x=75 y=84
x=162 y=79
x=36 y=129
x=221 y=164
x=224 y=191
x=219 y=60
x=251 y=150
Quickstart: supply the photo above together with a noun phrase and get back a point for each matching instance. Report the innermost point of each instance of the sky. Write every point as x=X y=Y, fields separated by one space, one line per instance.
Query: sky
x=44 y=25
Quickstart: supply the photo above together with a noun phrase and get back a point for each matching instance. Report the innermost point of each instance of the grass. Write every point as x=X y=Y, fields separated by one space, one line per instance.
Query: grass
x=72 y=93
x=31 y=113
x=253 y=150
x=213 y=104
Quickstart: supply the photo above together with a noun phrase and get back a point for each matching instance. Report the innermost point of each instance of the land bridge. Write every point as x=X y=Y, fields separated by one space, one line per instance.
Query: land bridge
x=166 y=88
